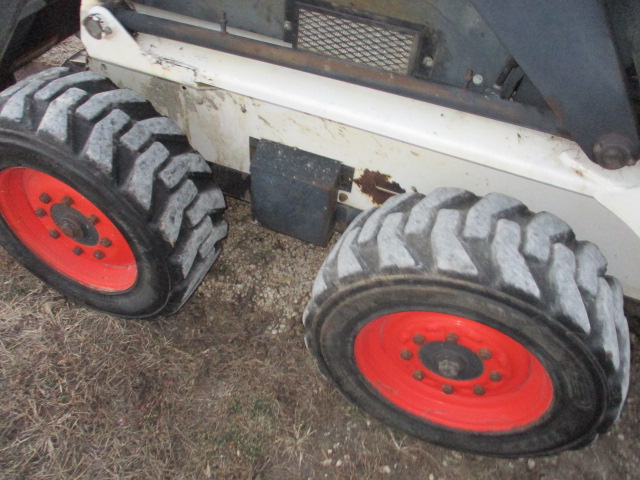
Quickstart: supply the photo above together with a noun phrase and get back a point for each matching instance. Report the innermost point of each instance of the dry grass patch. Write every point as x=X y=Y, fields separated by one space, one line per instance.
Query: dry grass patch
x=85 y=395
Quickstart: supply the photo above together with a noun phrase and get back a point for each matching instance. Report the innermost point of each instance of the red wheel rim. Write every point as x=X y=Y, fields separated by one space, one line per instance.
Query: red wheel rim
x=512 y=391
x=65 y=230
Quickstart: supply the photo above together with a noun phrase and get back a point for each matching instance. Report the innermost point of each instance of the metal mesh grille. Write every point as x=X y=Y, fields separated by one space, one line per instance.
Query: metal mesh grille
x=355 y=41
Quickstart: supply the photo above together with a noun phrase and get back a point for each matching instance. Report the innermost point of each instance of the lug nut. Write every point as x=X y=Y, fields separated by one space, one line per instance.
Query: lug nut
x=68 y=201
x=418 y=374
x=495 y=376
x=99 y=254
x=479 y=390
x=452 y=338
x=105 y=242
x=448 y=389
x=406 y=354
x=484 y=354
x=54 y=234
x=45 y=198
x=77 y=251
x=40 y=212
x=418 y=339
x=92 y=219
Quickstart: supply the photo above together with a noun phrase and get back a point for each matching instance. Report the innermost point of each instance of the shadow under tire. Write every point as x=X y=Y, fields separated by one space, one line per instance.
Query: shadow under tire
x=102 y=198
x=473 y=323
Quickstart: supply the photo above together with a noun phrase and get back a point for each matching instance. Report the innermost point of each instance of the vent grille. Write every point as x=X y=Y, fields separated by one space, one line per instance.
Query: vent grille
x=356 y=40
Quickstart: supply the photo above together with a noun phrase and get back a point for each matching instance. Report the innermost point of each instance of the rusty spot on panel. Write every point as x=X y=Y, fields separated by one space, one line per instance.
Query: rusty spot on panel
x=378 y=186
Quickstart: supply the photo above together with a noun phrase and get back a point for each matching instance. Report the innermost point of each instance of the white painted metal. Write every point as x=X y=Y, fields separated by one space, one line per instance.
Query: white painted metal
x=222 y=100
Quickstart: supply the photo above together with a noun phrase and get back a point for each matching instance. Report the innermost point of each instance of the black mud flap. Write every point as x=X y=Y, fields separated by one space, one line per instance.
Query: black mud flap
x=295 y=192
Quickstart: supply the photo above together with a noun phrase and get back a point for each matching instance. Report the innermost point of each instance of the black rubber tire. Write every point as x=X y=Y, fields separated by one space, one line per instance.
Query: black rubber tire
x=495 y=262
x=137 y=167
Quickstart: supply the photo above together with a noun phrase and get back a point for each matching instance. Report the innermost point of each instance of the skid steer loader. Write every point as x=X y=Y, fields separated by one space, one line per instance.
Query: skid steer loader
x=473 y=152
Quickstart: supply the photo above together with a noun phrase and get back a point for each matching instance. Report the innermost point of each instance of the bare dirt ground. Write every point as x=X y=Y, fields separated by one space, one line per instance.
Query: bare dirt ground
x=223 y=390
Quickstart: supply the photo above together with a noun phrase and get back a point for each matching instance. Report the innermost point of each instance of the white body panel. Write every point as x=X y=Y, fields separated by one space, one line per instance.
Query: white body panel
x=222 y=100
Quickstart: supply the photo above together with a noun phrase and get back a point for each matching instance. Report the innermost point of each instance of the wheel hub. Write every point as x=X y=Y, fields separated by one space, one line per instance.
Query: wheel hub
x=451 y=360
x=65 y=230
x=74 y=224
x=453 y=371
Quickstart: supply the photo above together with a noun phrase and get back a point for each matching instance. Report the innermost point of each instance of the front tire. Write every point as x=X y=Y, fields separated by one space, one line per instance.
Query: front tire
x=472 y=323
x=102 y=198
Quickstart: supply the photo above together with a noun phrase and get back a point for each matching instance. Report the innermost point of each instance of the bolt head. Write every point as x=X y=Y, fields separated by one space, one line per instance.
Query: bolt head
x=71 y=229
x=418 y=374
x=484 y=354
x=406 y=354
x=451 y=338
x=477 y=79
x=448 y=368
x=448 y=389
x=613 y=151
x=96 y=27
x=418 y=339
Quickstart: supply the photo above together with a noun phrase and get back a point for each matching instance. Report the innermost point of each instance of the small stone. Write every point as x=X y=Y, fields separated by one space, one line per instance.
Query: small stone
x=432 y=476
x=339 y=463
x=386 y=469
x=531 y=464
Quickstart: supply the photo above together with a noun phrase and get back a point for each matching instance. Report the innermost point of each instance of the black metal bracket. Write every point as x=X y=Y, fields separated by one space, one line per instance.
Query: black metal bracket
x=568 y=51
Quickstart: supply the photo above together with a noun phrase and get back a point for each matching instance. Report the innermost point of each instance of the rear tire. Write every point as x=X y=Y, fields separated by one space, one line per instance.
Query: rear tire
x=102 y=198
x=472 y=323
